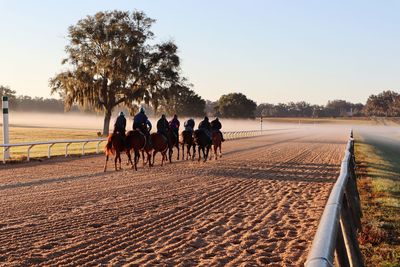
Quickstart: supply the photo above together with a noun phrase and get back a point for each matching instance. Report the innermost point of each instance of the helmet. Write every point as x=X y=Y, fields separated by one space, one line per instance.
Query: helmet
x=142 y=110
x=206 y=118
x=121 y=114
x=216 y=118
x=175 y=116
x=163 y=116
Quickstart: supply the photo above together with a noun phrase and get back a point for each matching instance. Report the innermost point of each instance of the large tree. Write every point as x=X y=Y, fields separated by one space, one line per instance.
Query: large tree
x=183 y=101
x=112 y=63
x=385 y=104
x=235 y=105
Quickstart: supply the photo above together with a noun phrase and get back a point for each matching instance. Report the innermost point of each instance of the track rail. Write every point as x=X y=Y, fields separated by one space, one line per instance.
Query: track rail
x=335 y=242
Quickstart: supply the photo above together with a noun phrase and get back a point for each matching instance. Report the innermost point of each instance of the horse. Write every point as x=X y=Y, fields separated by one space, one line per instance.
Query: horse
x=187 y=139
x=136 y=141
x=173 y=141
x=160 y=144
x=217 y=144
x=202 y=140
x=115 y=144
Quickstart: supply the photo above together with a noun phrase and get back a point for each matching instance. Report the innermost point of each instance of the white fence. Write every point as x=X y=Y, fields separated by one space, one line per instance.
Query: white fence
x=29 y=145
x=50 y=144
x=335 y=243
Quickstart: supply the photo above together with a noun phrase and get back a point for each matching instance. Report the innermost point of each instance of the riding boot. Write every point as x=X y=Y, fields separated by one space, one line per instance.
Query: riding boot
x=222 y=137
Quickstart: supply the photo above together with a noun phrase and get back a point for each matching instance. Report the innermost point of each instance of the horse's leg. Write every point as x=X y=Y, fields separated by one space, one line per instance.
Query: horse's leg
x=137 y=158
x=215 y=148
x=105 y=165
x=144 y=162
x=154 y=155
x=177 y=146
x=128 y=153
x=183 y=150
x=220 y=150
x=115 y=160
x=170 y=152
x=149 y=159
x=199 y=153
x=207 y=151
x=194 y=152
x=205 y=156
x=119 y=160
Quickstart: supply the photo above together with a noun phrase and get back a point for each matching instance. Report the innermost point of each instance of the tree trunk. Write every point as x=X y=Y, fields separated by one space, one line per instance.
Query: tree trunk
x=107 y=118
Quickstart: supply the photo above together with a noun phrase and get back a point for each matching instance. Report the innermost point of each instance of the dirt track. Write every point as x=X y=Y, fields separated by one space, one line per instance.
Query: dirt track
x=258 y=205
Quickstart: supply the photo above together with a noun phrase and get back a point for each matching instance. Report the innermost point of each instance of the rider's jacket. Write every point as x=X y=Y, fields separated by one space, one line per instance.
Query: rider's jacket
x=205 y=125
x=162 y=125
x=216 y=125
x=189 y=125
x=140 y=119
x=174 y=124
x=120 y=123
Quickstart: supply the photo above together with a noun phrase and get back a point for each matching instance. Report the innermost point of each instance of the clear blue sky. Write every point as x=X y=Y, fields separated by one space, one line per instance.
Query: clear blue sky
x=272 y=51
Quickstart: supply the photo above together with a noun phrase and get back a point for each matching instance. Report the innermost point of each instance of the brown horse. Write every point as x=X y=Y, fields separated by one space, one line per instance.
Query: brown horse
x=136 y=141
x=160 y=144
x=173 y=141
x=187 y=139
x=203 y=142
x=115 y=144
x=217 y=144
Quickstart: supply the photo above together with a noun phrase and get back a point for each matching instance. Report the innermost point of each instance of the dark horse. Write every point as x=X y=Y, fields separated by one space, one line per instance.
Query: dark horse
x=187 y=139
x=115 y=144
x=136 y=141
x=217 y=144
x=203 y=142
x=160 y=144
x=173 y=141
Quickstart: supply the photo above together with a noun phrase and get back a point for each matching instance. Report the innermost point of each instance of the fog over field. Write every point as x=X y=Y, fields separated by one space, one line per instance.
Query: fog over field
x=95 y=122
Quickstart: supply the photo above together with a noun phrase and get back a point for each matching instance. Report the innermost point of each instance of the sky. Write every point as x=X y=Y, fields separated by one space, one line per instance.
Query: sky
x=271 y=51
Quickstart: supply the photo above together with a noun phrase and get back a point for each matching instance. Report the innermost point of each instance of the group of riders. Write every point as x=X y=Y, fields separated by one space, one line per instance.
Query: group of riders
x=142 y=123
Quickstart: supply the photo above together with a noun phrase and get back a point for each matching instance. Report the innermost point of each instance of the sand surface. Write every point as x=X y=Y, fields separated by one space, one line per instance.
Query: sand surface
x=258 y=205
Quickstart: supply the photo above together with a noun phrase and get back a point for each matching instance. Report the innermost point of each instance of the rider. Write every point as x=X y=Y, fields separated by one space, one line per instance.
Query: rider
x=120 y=124
x=205 y=126
x=189 y=125
x=163 y=126
x=216 y=127
x=174 y=125
x=141 y=122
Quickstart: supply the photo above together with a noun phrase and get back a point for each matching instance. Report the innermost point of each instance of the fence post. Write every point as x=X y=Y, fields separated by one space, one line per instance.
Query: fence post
x=49 y=151
x=6 y=154
x=83 y=148
x=66 y=149
x=97 y=147
x=29 y=153
x=340 y=252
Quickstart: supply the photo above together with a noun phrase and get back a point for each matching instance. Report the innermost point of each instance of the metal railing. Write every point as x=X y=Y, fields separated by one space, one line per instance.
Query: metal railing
x=241 y=134
x=50 y=144
x=335 y=242
x=228 y=136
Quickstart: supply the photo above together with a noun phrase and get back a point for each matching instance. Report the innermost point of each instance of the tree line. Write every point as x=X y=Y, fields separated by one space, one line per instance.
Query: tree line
x=384 y=104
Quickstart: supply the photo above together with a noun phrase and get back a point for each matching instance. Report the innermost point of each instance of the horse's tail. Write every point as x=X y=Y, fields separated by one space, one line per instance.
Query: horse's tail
x=109 y=147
